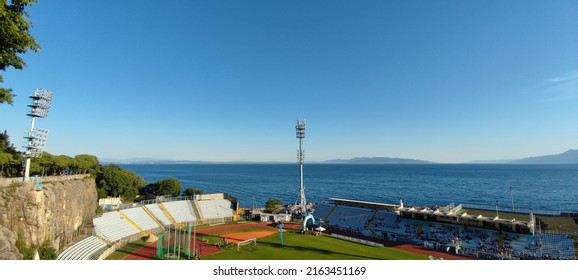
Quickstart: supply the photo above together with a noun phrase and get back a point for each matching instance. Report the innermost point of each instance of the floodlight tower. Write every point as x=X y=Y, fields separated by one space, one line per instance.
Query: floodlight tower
x=300 y=129
x=35 y=141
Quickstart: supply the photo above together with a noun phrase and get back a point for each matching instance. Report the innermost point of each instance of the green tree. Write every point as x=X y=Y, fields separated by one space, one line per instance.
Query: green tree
x=10 y=159
x=6 y=160
x=61 y=164
x=5 y=145
x=169 y=186
x=48 y=164
x=116 y=182
x=272 y=204
x=15 y=39
x=44 y=165
x=10 y=166
x=191 y=192
x=87 y=164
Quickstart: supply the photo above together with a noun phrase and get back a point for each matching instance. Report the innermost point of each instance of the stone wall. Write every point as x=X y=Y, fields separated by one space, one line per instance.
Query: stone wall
x=5 y=182
x=59 y=212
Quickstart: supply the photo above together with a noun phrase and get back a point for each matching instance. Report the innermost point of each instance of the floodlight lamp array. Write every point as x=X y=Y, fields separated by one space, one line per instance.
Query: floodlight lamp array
x=300 y=129
x=36 y=143
x=34 y=153
x=41 y=102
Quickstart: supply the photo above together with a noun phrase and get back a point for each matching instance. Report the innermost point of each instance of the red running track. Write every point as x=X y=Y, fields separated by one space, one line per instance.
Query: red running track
x=149 y=252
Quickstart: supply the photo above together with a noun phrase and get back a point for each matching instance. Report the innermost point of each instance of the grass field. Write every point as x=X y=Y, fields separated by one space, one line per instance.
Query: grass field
x=127 y=250
x=215 y=237
x=299 y=246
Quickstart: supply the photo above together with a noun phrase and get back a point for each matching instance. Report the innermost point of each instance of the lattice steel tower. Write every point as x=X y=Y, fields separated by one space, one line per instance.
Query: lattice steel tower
x=300 y=128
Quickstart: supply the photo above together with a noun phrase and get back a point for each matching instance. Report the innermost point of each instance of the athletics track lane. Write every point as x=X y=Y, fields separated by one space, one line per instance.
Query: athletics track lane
x=205 y=249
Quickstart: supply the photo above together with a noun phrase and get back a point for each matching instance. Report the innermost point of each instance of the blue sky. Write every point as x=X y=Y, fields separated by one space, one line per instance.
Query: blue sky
x=446 y=81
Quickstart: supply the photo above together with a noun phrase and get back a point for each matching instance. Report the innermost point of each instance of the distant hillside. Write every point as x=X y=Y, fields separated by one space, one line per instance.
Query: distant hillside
x=504 y=161
x=568 y=157
x=377 y=160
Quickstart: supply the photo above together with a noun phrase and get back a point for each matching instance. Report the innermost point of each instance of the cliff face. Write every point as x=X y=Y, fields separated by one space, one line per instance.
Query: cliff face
x=58 y=212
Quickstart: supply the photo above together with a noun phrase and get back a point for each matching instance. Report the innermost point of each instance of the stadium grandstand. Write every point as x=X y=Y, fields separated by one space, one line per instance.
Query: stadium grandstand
x=447 y=229
x=129 y=222
x=88 y=249
x=215 y=209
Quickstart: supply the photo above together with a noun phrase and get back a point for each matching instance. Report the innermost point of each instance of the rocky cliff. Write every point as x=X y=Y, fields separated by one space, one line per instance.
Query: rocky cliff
x=58 y=212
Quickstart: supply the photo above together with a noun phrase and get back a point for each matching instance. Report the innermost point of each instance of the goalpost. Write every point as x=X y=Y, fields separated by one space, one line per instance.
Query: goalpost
x=245 y=242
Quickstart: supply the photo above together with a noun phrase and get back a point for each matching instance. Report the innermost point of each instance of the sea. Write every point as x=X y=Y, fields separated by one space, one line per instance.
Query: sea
x=546 y=189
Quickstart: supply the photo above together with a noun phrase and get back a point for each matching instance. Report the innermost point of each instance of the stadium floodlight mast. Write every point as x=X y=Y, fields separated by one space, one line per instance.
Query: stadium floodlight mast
x=300 y=133
x=36 y=139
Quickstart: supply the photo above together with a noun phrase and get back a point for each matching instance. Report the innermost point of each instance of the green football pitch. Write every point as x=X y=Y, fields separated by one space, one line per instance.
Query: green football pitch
x=299 y=246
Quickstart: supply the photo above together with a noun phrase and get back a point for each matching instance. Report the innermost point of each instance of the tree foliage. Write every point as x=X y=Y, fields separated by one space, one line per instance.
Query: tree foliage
x=7 y=163
x=10 y=159
x=46 y=251
x=26 y=251
x=86 y=164
x=5 y=145
x=170 y=186
x=47 y=165
x=272 y=204
x=117 y=182
x=15 y=39
x=191 y=192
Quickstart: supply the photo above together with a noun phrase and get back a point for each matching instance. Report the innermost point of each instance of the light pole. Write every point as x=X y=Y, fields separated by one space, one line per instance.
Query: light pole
x=35 y=141
x=300 y=133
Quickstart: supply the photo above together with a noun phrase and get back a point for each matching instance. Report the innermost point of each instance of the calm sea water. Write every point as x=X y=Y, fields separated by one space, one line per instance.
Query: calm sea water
x=523 y=187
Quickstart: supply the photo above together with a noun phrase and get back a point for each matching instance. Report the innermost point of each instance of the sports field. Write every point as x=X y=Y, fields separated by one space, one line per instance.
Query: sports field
x=297 y=246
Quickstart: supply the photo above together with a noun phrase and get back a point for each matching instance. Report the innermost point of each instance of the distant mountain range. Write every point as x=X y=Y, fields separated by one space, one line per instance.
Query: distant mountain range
x=568 y=157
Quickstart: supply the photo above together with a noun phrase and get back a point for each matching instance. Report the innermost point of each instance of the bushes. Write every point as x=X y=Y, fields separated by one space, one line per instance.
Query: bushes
x=45 y=251
x=26 y=251
x=272 y=205
x=192 y=192
x=169 y=186
x=117 y=182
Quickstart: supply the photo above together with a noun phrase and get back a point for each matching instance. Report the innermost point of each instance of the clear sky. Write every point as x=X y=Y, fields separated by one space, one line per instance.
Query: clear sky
x=445 y=81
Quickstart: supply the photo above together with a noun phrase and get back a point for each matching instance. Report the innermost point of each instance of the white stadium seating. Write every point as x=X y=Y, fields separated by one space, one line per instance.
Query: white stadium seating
x=140 y=218
x=87 y=249
x=182 y=210
x=159 y=214
x=216 y=208
x=112 y=226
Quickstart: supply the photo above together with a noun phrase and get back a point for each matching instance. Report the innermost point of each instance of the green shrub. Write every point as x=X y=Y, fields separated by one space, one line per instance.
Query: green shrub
x=46 y=251
x=27 y=252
